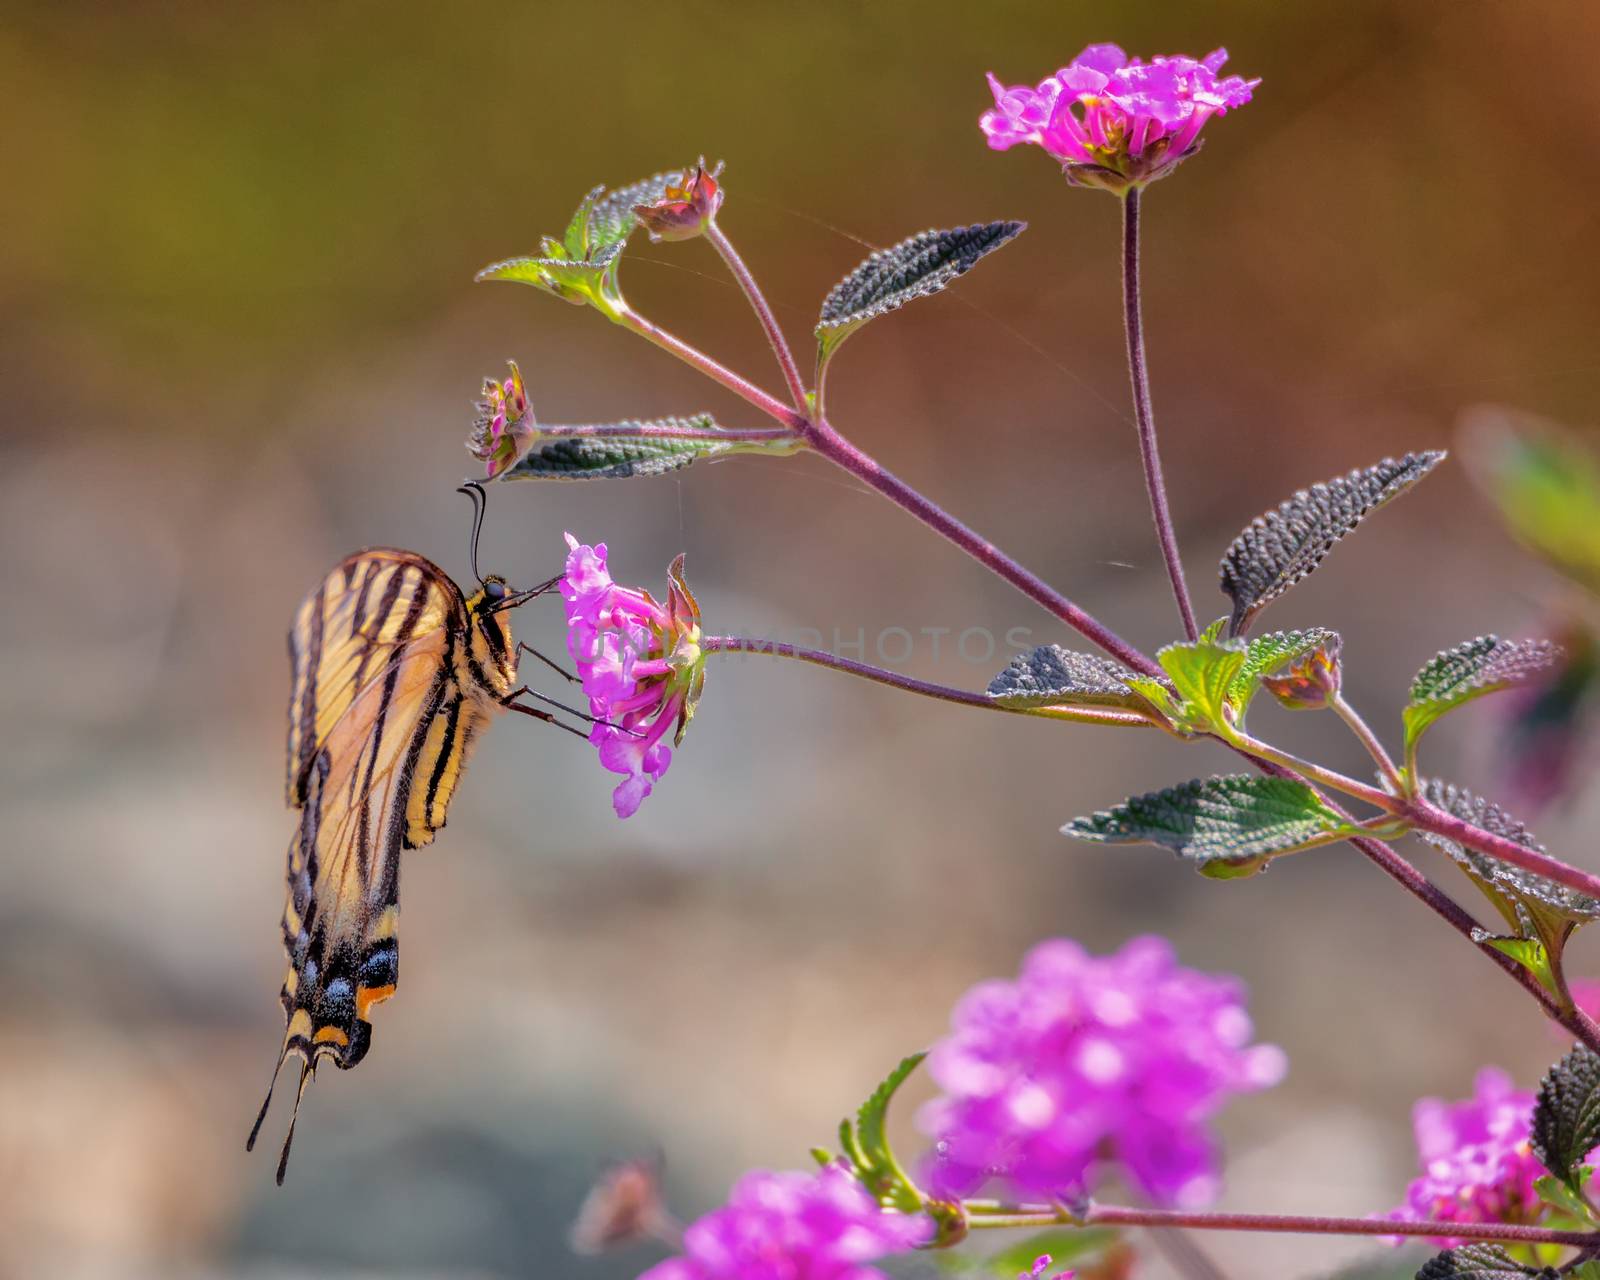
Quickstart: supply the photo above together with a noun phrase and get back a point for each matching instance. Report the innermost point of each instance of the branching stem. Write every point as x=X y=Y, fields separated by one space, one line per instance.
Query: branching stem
x=769 y=322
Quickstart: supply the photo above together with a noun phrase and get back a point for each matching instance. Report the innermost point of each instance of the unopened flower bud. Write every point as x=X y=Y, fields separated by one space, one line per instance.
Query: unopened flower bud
x=686 y=208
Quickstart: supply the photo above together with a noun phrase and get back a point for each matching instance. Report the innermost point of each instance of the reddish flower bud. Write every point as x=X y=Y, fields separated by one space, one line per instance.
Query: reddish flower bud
x=505 y=423
x=1309 y=684
x=683 y=211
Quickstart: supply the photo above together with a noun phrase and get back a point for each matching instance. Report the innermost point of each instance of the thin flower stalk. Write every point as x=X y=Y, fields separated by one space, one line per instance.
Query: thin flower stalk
x=1436 y=820
x=908 y=684
x=719 y=373
x=1149 y=451
x=759 y=304
x=1368 y=739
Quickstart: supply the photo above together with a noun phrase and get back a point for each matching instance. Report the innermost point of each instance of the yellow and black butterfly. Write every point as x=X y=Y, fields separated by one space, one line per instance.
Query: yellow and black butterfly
x=394 y=674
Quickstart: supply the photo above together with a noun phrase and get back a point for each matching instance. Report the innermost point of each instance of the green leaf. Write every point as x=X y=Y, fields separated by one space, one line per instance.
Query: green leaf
x=914 y=268
x=1566 y=1116
x=1528 y=951
x=1158 y=693
x=578 y=282
x=1051 y=676
x=1203 y=673
x=1550 y=903
x=866 y=1143
x=581 y=267
x=1065 y=1245
x=1227 y=827
x=1485 y=665
x=1267 y=654
x=554 y=456
x=1572 y=1202
x=1480 y=1262
x=1280 y=547
x=614 y=220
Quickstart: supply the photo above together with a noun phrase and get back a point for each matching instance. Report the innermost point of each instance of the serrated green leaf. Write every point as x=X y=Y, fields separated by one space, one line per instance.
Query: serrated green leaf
x=1203 y=673
x=614 y=220
x=580 y=283
x=1480 y=1262
x=553 y=456
x=1226 y=827
x=1268 y=653
x=576 y=240
x=1051 y=676
x=1213 y=631
x=1570 y=1201
x=915 y=268
x=1280 y=547
x=866 y=1143
x=1158 y=693
x=1484 y=665
x=1529 y=952
x=1566 y=1115
x=1065 y=1245
x=1550 y=903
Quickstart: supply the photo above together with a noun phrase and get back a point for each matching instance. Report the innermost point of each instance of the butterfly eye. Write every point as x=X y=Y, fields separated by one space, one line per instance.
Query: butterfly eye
x=494 y=591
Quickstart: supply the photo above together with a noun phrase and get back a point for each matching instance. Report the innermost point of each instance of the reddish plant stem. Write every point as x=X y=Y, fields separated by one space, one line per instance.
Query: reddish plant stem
x=758 y=304
x=831 y=445
x=1436 y=820
x=655 y=431
x=717 y=372
x=1110 y=1215
x=1149 y=451
x=907 y=684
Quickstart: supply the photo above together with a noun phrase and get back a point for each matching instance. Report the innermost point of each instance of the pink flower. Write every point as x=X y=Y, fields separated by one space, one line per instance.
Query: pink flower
x=793 y=1226
x=1084 y=1064
x=504 y=425
x=640 y=663
x=1477 y=1162
x=1041 y=1264
x=1112 y=122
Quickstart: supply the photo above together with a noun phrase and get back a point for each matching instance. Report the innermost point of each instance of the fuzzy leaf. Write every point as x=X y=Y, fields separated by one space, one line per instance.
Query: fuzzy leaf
x=1566 y=1116
x=1485 y=665
x=914 y=268
x=1051 y=676
x=1227 y=827
x=553 y=456
x=613 y=219
x=1573 y=1203
x=866 y=1144
x=1555 y=908
x=1480 y=1262
x=1203 y=673
x=1281 y=547
x=578 y=282
x=1266 y=654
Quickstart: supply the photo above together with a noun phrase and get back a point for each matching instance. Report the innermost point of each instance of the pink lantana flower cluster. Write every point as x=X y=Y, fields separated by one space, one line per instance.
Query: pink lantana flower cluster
x=1113 y=122
x=1477 y=1161
x=641 y=666
x=1085 y=1065
x=504 y=424
x=794 y=1226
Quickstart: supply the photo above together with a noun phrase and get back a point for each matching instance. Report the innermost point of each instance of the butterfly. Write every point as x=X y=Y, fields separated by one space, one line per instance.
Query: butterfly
x=395 y=673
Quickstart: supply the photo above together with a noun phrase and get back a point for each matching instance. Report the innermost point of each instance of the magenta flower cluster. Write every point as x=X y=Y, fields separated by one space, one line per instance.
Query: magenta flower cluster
x=1085 y=1065
x=1115 y=122
x=640 y=663
x=1477 y=1162
x=794 y=1226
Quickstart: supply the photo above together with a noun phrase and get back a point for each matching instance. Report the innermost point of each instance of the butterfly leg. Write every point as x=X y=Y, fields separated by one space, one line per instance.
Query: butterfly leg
x=549 y=662
x=538 y=713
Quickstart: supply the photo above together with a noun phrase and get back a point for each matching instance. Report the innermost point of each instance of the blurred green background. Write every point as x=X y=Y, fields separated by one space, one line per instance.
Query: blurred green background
x=241 y=339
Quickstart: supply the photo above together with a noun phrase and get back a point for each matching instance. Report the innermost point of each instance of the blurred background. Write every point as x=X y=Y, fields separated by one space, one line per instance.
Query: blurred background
x=241 y=339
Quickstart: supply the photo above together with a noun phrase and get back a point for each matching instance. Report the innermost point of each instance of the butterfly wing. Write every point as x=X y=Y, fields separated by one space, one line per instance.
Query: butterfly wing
x=379 y=728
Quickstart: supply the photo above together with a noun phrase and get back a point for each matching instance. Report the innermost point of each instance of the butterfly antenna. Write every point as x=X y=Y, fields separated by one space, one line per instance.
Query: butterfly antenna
x=480 y=504
x=255 y=1129
x=288 y=1138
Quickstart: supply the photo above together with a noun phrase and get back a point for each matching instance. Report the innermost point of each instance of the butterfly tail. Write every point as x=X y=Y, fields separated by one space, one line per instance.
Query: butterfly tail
x=306 y=1074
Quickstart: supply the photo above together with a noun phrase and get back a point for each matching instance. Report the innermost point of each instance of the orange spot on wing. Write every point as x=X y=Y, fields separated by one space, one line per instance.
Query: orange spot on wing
x=366 y=997
x=331 y=1035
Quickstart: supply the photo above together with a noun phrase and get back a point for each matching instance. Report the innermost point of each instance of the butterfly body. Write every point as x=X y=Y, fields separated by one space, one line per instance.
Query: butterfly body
x=394 y=674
